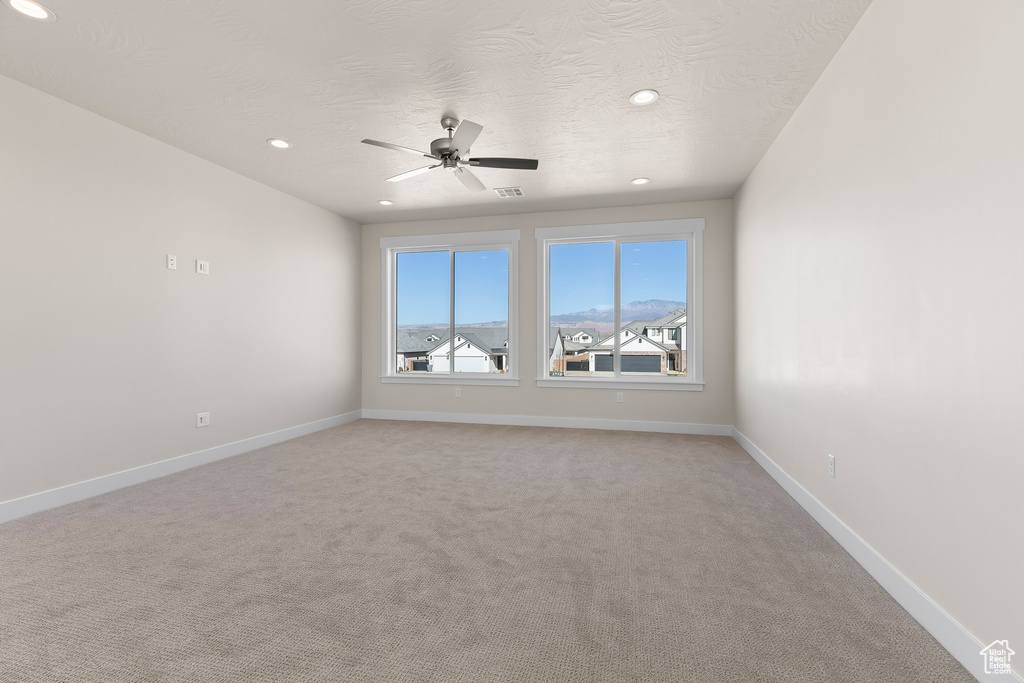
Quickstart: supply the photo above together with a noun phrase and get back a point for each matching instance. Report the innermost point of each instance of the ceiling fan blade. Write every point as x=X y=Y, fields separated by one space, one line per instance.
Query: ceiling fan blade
x=399 y=148
x=469 y=180
x=465 y=136
x=410 y=174
x=499 y=162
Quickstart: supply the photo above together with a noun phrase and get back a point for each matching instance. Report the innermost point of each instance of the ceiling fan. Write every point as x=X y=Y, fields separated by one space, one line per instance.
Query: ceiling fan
x=453 y=154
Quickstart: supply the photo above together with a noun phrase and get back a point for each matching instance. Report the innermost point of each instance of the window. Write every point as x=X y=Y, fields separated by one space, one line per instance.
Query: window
x=628 y=281
x=449 y=313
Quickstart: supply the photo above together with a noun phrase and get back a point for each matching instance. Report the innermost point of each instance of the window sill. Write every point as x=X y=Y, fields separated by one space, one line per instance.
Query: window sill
x=656 y=385
x=462 y=379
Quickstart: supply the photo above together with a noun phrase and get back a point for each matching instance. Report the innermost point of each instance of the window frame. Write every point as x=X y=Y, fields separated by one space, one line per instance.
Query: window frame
x=677 y=229
x=463 y=241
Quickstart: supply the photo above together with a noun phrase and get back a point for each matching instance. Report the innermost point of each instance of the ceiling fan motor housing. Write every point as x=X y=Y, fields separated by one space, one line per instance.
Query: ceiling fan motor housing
x=440 y=147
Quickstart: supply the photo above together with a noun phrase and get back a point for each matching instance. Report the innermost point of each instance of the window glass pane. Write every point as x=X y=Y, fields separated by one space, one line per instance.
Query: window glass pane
x=423 y=311
x=653 y=301
x=481 y=311
x=581 y=317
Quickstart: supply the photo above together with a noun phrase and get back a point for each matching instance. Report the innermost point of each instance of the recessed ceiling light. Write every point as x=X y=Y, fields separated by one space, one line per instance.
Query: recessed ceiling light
x=279 y=143
x=32 y=9
x=385 y=202
x=643 y=96
x=640 y=181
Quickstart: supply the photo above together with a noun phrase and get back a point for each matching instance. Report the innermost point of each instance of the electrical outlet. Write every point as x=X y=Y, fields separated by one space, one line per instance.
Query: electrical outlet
x=202 y=419
x=458 y=392
x=831 y=465
x=618 y=397
x=203 y=267
x=172 y=262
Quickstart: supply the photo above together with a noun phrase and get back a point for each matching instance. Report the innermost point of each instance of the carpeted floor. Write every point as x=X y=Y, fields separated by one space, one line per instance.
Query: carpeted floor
x=398 y=551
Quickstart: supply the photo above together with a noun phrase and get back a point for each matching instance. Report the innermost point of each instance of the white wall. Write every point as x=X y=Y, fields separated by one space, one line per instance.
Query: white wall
x=105 y=355
x=712 y=406
x=880 y=274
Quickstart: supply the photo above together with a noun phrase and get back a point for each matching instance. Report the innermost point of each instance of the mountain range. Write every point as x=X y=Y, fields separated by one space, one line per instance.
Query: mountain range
x=600 y=319
x=603 y=319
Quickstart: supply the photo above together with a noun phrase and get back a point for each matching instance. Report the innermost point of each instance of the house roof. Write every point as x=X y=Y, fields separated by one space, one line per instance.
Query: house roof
x=625 y=326
x=640 y=339
x=573 y=331
x=492 y=338
x=667 y=318
x=407 y=343
x=638 y=326
x=489 y=339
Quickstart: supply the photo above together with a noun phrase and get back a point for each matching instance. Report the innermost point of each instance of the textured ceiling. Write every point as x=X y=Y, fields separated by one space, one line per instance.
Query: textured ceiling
x=547 y=80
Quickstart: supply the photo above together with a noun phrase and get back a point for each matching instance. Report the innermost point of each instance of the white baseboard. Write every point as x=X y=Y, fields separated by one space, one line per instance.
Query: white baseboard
x=21 y=507
x=944 y=628
x=539 y=421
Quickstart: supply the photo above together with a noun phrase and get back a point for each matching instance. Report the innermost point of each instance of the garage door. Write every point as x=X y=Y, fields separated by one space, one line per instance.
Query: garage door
x=471 y=364
x=602 y=363
x=641 y=364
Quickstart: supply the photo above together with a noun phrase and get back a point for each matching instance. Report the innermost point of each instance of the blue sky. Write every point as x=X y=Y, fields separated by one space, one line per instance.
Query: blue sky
x=423 y=295
x=582 y=275
x=581 y=279
x=481 y=287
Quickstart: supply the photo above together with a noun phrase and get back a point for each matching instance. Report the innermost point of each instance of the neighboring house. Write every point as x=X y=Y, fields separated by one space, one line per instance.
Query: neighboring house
x=639 y=354
x=648 y=346
x=412 y=352
x=580 y=335
x=655 y=346
x=668 y=329
x=477 y=349
x=556 y=354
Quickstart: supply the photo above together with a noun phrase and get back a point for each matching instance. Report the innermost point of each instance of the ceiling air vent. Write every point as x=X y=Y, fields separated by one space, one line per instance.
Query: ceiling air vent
x=506 y=192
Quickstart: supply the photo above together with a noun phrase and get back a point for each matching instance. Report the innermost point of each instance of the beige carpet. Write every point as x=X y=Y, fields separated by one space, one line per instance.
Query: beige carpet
x=397 y=551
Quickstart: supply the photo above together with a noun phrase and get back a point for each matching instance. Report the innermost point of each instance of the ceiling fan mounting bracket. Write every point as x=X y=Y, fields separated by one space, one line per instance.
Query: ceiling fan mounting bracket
x=449 y=124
